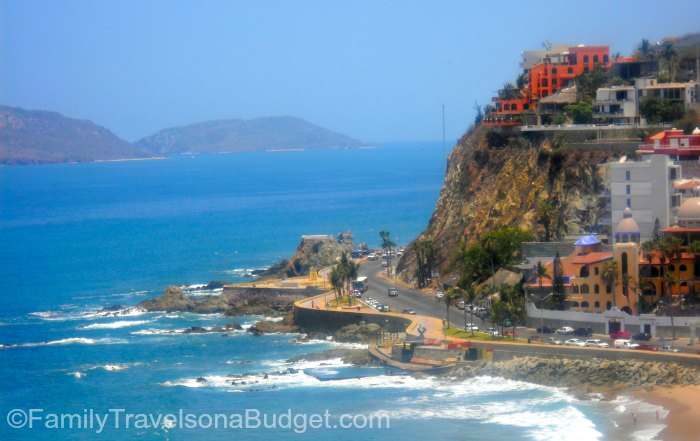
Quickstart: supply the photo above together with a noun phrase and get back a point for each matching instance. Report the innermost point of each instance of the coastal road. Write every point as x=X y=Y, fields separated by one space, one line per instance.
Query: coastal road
x=409 y=298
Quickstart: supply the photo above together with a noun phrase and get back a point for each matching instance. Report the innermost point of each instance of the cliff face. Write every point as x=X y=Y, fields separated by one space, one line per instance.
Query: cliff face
x=495 y=179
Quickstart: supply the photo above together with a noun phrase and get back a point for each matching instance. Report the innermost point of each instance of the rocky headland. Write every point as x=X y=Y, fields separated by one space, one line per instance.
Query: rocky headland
x=497 y=179
x=312 y=252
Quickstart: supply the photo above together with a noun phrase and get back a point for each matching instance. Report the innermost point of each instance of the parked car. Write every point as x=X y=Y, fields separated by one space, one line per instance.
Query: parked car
x=371 y=256
x=620 y=335
x=408 y=311
x=583 y=332
x=565 y=330
x=545 y=330
x=439 y=294
x=624 y=344
x=536 y=338
x=554 y=341
x=493 y=331
x=393 y=292
x=596 y=343
x=471 y=327
x=642 y=336
x=357 y=293
x=383 y=308
x=385 y=264
x=668 y=349
x=574 y=342
x=646 y=347
x=460 y=304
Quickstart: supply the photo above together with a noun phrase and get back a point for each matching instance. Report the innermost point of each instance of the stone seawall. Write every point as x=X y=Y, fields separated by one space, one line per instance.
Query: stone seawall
x=329 y=320
x=506 y=351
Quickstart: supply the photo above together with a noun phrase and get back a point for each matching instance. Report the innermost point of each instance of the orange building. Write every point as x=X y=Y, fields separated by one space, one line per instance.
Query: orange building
x=545 y=79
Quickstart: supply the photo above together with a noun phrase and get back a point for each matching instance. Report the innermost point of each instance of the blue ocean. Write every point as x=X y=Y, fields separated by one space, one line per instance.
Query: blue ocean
x=75 y=238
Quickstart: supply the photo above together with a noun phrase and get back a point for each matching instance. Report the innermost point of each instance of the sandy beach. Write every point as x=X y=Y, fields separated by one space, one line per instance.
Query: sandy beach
x=682 y=403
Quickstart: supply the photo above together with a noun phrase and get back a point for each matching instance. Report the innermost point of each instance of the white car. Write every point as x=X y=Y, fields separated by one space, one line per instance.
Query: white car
x=596 y=343
x=471 y=327
x=439 y=295
x=668 y=349
x=565 y=330
x=460 y=304
x=624 y=344
x=554 y=341
x=574 y=342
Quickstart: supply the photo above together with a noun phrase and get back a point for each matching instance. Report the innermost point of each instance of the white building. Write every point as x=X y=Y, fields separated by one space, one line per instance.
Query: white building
x=646 y=187
x=617 y=104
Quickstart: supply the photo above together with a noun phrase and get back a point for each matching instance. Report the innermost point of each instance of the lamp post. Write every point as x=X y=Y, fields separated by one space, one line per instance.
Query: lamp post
x=542 y=310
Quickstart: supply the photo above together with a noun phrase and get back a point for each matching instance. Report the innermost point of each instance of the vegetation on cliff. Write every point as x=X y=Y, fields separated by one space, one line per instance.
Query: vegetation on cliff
x=540 y=186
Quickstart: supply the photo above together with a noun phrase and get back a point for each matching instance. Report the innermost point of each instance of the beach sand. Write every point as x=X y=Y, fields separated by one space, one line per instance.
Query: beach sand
x=683 y=406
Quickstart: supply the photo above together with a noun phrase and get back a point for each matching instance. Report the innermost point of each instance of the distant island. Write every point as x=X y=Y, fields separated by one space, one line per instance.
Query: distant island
x=37 y=136
x=232 y=135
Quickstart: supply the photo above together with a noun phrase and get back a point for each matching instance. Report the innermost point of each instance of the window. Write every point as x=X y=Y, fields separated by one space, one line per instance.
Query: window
x=506 y=107
x=584 y=305
x=628 y=188
x=574 y=304
x=596 y=288
x=605 y=59
x=585 y=272
x=585 y=58
x=683 y=268
x=526 y=106
x=608 y=289
x=671 y=268
x=627 y=175
x=545 y=83
x=596 y=271
x=597 y=304
x=570 y=70
x=596 y=59
x=608 y=305
x=554 y=71
x=586 y=69
x=629 y=203
x=584 y=289
x=514 y=106
x=554 y=81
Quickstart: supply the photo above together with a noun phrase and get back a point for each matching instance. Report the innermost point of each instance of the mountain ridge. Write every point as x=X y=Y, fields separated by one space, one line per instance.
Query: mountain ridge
x=43 y=136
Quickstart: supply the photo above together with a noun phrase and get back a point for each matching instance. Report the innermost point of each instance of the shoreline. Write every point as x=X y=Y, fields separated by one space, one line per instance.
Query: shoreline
x=682 y=408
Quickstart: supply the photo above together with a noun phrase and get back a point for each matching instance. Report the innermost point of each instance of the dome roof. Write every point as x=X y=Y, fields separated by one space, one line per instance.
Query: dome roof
x=689 y=210
x=627 y=224
x=696 y=131
x=587 y=240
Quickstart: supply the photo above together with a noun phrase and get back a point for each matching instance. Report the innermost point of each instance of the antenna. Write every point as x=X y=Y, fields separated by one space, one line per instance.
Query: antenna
x=443 y=130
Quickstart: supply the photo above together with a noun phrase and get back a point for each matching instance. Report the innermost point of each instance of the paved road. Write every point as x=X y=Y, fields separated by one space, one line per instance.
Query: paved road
x=427 y=305
x=409 y=298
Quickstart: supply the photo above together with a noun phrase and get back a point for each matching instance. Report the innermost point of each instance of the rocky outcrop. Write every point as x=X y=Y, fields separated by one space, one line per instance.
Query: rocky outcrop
x=355 y=357
x=234 y=302
x=362 y=333
x=580 y=373
x=494 y=178
x=313 y=252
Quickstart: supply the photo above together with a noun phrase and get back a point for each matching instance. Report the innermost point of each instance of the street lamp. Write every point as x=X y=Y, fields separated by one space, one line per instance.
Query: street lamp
x=542 y=310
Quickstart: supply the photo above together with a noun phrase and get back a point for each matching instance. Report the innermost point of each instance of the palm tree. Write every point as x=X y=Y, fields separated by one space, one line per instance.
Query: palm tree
x=337 y=281
x=450 y=296
x=470 y=296
x=542 y=273
x=348 y=269
x=669 y=53
x=497 y=313
x=609 y=276
x=645 y=48
x=514 y=304
x=387 y=243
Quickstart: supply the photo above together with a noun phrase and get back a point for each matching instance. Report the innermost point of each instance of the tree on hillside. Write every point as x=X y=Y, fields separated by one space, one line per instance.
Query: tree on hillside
x=513 y=299
x=470 y=295
x=546 y=216
x=343 y=273
x=581 y=112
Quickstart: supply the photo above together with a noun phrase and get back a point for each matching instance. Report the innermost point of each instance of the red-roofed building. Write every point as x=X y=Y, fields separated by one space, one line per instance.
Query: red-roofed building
x=673 y=142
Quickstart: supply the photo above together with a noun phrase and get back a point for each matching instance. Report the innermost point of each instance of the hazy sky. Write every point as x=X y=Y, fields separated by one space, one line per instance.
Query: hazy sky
x=375 y=70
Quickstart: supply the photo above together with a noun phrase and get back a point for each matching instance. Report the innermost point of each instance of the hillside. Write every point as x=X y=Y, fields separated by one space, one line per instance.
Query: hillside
x=245 y=135
x=502 y=182
x=35 y=136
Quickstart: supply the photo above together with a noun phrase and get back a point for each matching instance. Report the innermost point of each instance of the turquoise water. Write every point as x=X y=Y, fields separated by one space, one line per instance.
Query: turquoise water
x=75 y=238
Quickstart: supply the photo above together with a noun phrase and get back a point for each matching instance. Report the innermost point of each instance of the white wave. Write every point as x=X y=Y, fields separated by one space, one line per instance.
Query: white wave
x=78 y=374
x=130 y=311
x=115 y=367
x=71 y=341
x=333 y=343
x=115 y=325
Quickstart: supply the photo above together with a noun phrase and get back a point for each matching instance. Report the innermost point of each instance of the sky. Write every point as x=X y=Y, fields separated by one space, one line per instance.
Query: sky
x=375 y=70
